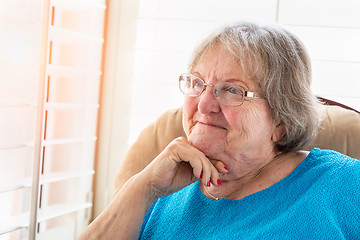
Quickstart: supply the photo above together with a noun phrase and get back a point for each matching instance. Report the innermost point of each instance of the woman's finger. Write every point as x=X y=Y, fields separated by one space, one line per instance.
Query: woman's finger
x=215 y=179
x=208 y=172
x=202 y=167
x=220 y=166
x=178 y=166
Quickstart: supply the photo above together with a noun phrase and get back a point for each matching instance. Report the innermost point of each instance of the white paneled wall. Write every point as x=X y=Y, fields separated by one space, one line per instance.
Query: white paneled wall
x=331 y=32
x=167 y=32
x=331 y=13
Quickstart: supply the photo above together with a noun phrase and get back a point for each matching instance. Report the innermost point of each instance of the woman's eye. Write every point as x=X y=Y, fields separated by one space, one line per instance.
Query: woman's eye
x=197 y=83
x=233 y=90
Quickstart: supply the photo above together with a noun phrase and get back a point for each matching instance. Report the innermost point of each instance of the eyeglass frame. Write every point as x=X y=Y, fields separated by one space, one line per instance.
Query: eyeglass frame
x=245 y=93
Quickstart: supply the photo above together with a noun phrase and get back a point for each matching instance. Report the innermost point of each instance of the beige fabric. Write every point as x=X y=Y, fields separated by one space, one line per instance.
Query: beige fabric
x=340 y=131
x=151 y=141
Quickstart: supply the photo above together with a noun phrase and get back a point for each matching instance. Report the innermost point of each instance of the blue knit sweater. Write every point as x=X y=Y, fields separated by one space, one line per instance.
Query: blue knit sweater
x=320 y=199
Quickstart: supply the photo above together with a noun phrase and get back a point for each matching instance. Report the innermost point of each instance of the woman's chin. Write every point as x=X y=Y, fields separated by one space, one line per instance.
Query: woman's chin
x=210 y=147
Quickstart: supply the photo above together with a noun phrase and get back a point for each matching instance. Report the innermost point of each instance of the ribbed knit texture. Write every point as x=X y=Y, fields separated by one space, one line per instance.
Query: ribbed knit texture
x=320 y=199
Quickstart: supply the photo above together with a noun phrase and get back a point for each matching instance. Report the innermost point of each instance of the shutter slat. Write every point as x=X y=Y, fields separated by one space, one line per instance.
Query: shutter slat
x=78 y=5
x=46 y=213
x=45 y=179
x=57 y=34
x=68 y=140
x=56 y=70
x=70 y=106
x=64 y=175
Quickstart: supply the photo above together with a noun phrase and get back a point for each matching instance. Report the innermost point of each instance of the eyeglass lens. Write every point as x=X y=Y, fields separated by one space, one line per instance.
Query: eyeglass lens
x=226 y=93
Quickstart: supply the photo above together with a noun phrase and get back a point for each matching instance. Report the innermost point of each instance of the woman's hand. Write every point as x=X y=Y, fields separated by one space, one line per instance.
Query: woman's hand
x=179 y=165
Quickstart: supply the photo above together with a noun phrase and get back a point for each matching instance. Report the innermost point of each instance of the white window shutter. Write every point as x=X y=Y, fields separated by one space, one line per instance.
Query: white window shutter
x=50 y=70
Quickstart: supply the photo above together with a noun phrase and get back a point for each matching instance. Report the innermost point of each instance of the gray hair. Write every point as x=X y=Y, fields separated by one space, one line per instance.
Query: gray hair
x=279 y=62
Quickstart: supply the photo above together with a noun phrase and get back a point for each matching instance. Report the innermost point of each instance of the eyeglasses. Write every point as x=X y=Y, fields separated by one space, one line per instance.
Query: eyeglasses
x=226 y=93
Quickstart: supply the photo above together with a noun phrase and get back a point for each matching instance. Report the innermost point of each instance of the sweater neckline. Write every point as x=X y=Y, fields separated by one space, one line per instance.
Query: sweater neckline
x=263 y=193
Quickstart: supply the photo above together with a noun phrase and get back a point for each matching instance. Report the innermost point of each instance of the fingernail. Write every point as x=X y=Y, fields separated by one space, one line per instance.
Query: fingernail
x=218 y=182
x=200 y=175
x=208 y=183
x=226 y=168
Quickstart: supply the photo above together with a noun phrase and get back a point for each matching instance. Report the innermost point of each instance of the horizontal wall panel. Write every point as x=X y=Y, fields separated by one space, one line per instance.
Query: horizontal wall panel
x=172 y=35
x=146 y=31
x=149 y=66
x=229 y=10
x=331 y=44
x=221 y=11
x=148 y=8
x=155 y=99
x=335 y=13
x=183 y=35
x=334 y=78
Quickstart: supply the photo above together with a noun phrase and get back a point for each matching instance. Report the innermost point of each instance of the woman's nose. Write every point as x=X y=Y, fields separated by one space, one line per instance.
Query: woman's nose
x=207 y=102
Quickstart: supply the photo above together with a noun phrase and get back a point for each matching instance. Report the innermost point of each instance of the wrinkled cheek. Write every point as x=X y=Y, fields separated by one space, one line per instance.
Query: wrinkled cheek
x=189 y=109
x=242 y=129
x=243 y=121
x=190 y=104
x=187 y=124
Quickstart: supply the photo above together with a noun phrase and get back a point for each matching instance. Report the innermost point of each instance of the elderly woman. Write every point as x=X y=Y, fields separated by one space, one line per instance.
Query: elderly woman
x=241 y=173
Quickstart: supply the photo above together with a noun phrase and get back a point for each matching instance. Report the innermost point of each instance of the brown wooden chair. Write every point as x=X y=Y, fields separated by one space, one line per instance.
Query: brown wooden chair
x=329 y=102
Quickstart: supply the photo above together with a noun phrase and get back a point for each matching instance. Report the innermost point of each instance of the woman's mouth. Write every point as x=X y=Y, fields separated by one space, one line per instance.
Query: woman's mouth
x=208 y=124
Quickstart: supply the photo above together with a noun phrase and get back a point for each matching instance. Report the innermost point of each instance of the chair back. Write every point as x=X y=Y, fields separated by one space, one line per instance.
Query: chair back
x=340 y=131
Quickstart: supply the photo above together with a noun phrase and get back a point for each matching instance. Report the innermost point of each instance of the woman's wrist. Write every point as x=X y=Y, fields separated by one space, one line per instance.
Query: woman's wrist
x=142 y=187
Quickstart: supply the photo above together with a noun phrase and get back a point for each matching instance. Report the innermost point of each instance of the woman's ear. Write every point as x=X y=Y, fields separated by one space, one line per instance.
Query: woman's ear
x=278 y=133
